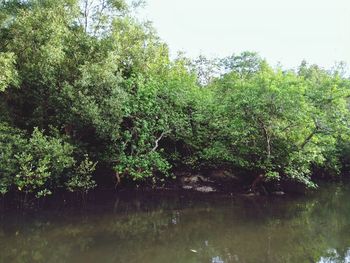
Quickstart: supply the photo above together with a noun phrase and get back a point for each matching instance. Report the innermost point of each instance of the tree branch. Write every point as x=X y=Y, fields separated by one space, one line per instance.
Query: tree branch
x=308 y=138
x=158 y=139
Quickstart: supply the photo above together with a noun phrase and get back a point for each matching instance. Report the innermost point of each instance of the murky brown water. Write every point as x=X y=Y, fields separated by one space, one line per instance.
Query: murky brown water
x=185 y=229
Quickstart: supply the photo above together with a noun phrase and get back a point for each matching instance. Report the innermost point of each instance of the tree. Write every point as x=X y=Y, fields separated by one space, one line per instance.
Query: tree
x=278 y=124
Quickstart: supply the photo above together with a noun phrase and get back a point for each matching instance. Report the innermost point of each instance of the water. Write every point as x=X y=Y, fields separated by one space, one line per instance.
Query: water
x=181 y=228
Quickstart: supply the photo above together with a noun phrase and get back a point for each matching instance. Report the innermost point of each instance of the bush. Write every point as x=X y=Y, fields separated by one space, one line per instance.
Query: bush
x=32 y=165
x=81 y=181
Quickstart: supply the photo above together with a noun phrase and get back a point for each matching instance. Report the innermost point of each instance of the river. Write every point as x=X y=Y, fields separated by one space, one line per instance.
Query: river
x=184 y=228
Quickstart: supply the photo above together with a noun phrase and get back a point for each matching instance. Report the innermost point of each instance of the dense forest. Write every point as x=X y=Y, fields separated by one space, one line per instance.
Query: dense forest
x=89 y=95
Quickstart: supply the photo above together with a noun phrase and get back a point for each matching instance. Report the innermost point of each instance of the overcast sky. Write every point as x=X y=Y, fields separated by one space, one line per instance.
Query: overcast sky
x=285 y=31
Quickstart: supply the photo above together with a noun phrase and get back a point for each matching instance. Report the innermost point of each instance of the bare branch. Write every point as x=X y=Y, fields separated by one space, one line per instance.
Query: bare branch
x=158 y=139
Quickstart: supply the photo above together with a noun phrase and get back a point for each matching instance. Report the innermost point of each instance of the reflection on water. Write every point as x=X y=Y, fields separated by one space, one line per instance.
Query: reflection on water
x=176 y=228
x=334 y=256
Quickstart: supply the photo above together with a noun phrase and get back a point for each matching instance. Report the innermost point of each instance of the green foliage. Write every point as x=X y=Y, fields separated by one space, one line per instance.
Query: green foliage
x=57 y=152
x=143 y=166
x=104 y=83
x=32 y=165
x=81 y=181
x=246 y=63
x=272 y=176
x=12 y=142
x=8 y=73
x=280 y=123
x=32 y=175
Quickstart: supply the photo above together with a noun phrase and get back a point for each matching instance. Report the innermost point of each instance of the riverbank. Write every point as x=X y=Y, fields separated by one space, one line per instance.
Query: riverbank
x=187 y=186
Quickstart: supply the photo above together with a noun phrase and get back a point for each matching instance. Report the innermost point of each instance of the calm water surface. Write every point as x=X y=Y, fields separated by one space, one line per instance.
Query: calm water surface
x=181 y=228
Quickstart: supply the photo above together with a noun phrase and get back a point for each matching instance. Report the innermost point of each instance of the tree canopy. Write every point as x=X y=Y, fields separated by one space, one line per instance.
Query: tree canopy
x=85 y=85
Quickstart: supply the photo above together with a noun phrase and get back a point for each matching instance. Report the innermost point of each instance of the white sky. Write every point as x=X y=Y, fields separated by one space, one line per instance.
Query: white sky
x=285 y=31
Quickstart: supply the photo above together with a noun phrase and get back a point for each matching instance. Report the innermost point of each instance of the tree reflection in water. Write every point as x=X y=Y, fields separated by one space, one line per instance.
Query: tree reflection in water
x=175 y=228
x=334 y=257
